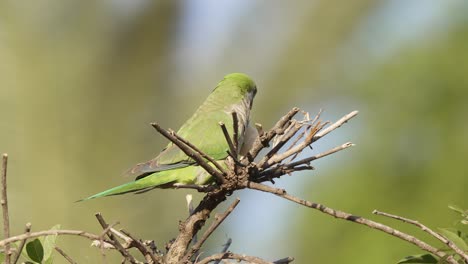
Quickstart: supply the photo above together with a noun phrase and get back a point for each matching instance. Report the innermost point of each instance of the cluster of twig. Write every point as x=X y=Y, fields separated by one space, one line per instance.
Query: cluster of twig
x=287 y=139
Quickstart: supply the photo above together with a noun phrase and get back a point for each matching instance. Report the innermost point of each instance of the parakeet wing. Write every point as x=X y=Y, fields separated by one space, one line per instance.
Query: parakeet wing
x=203 y=131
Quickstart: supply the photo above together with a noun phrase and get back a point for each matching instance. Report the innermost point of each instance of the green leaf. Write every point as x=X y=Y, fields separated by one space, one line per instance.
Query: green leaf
x=49 y=243
x=2 y=257
x=35 y=250
x=454 y=235
x=422 y=258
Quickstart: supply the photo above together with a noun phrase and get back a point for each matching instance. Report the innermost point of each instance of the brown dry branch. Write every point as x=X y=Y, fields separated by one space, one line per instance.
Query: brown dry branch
x=426 y=229
x=189 y=151
x=144 y=250
x=116 y=243
x=233 y=256
x=235 y=129
x=68 y=258
x=210 y=230
x=289 y=138
x=27 y=230
x=210 y=159
x=4 y=202
x=232 y=149
x=43 y=233
x=353 y=218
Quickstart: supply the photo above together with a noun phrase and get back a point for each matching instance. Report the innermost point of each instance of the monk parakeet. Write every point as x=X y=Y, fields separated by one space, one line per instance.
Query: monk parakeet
x=234 y=93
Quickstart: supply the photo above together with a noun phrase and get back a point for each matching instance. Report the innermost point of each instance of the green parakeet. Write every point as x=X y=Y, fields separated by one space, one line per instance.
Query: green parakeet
x=234 y=93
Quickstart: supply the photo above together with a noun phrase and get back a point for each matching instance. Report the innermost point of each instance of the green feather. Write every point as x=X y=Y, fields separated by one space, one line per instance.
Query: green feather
x=235 y=92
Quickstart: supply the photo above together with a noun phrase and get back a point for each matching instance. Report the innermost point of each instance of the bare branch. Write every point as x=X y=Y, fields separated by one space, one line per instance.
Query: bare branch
x=189 y=152
x=230 y=255
x=235 y=129
x=263 y=140
x=49 y=233
x=427 y=230
x=116 y=243
x=193 y=224
x=27 y=230
x=321 y=155
x=68 y=258
x=200 y=188
x=150 y=257
x=128 y=240
x=335 y=125
x=296 y=149
x=4 y=202
x=232 y=149
x=281 y=170
x=203 y=154
x=353 y=218
x=210 y=230
x=289 y=133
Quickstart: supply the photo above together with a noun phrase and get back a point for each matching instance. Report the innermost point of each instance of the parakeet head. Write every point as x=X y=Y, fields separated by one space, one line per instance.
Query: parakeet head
x=237 y=86
x=242 y=81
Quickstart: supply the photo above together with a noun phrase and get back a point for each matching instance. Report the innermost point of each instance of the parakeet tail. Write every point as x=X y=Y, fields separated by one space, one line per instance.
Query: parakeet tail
x=151 y=181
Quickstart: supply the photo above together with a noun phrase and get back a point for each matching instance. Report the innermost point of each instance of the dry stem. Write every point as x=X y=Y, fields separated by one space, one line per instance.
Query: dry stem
x=4 y=202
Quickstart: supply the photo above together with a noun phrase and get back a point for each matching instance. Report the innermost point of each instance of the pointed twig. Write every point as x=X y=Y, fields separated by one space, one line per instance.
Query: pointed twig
x=262 y=141
x=4 y=202
x=289 y=133
x=210 y=230
x=127 y=239
x=107 y=229
x=320 y=155
x=353 y=218
x=142 y=248
x=426 y=229
x=204 y=155
x=117 y=244
x=200 y=188
x=296 y=149
x=189 y=152
x=232 y=149
x=235 y=129
x=298 y=138
x=12 y=239
x=193 y=224
x=233 y=256
x=335 y=125
x=27 y=230
x=281 y=170
x=68 y=258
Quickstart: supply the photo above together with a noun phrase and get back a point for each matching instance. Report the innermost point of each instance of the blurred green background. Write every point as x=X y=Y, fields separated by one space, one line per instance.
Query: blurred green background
x=80 y=81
